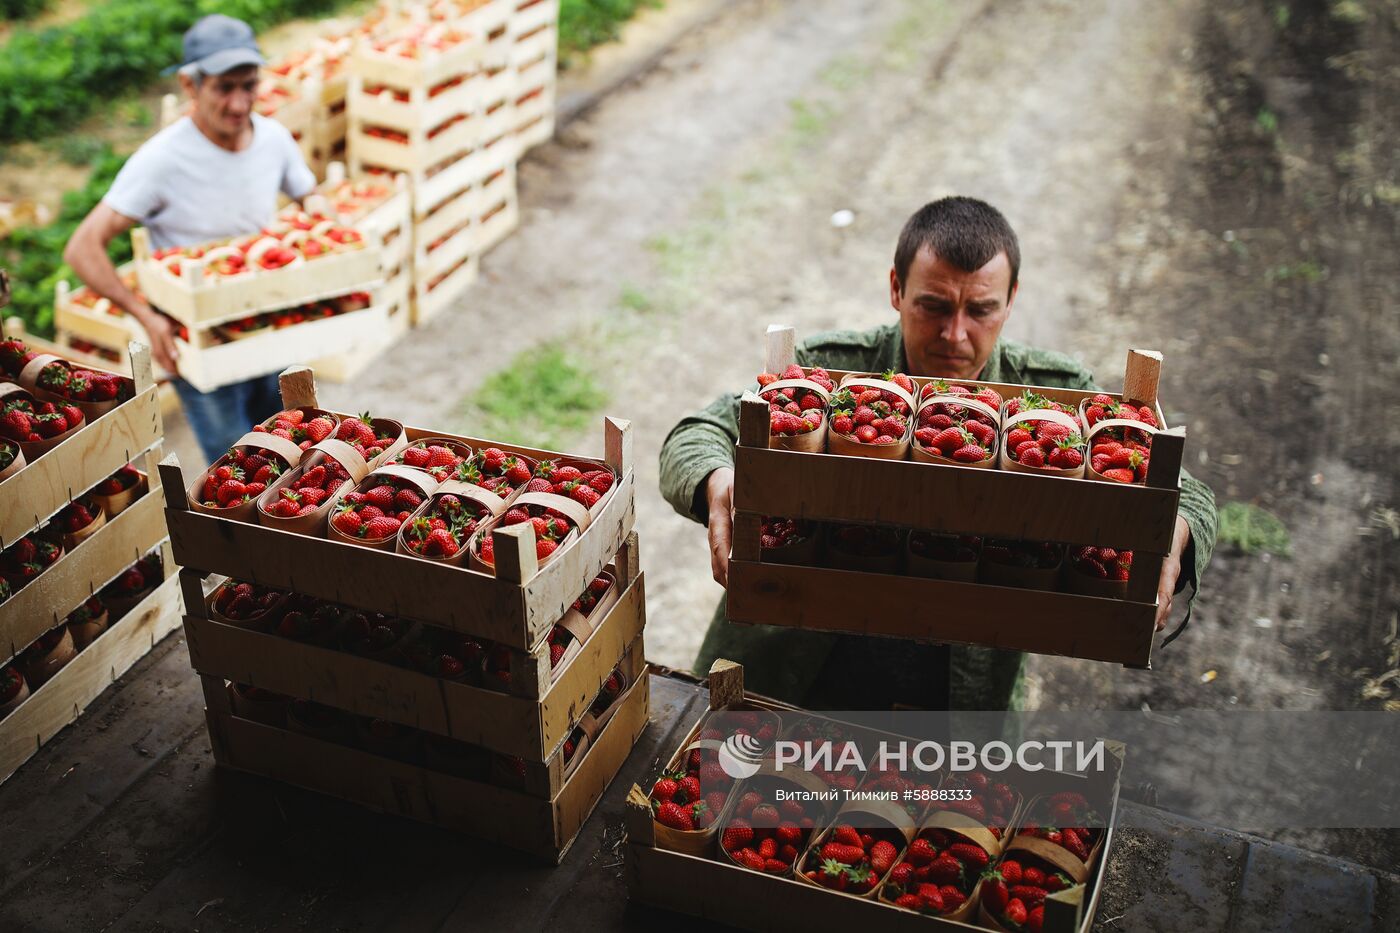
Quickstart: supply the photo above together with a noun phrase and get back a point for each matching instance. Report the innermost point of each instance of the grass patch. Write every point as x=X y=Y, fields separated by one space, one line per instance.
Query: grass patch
x=1307 y=270
x=1250 y=530
x=634 y=299
x=542 y=399
x=810 y=120
x=584 y=24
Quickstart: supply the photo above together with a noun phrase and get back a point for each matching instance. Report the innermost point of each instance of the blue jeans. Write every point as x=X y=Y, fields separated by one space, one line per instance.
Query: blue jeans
x=221 y=417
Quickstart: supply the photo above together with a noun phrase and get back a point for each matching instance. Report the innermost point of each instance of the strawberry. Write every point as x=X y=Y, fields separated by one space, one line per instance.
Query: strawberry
x=1015 y=912
x=675 y=816
x=664 y=789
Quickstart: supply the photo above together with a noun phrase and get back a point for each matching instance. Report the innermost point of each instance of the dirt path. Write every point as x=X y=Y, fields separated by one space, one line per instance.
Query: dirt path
x=1123 y=139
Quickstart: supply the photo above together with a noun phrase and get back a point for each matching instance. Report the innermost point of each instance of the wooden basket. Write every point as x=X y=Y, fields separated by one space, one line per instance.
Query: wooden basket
x=119 y=502
x=260 y=623
x=917 y=565
x=8 y=705
x=1099 y=426
x=29 y=379
x=417 y=478
x=75 y=538
x=864 y=563
x=973 y=832
x=1048 y=852
x=805 y=553
x=887 y=815
x=994 y=573
x=17 y=463
x=40 y=668
x=85 y=633
x=917 y=451
x=839 y=444
x=492 y=504
x=243 y=511
x=29 y=451
x=578 y=515
x=812 y=442
x=1008 y=422
x=581 y=626
x=314 y=522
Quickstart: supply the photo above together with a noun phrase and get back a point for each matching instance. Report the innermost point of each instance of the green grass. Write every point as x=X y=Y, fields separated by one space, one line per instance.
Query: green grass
x=584 y=24
x=1251 y=530
x=544 y=397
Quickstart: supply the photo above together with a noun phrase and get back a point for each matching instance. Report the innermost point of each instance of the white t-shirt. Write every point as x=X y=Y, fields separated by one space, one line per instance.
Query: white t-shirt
x=186 y=190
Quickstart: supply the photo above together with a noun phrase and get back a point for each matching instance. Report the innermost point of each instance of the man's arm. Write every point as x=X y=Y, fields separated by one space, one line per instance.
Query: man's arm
x=697 y=474
x=86 y=252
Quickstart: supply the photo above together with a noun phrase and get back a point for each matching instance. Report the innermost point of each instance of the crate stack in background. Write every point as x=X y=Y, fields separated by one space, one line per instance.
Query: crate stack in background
x=534 y=58
x=470 y=708
x=320 y=74
x=87 y=580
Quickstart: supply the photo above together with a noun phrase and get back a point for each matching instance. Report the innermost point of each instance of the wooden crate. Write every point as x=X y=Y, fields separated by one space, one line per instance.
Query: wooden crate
x=532 y=47
x=543 y=828
x=534 y=111
x=516 y=608
x=995 y=503
x=421 y=110
x=420 y=153
x=64 y=697
x=449 y=216
x=433 y=298
x=395 y=297
x=62 y=346
x=500 y=210
x=82 y=461
x=531 y=15
x=100 y=322
x=719 y=891
x=390 y=220
x=197 y=302
x=433 y=259
x=377 y=68
x=532 y=727
x=207 y=364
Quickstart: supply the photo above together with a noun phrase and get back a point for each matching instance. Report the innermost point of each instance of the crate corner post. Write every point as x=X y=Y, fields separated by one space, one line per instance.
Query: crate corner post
x=172 y=482
x=754 y=421
x=637 y=818
x=617 y=443
x=298 y=384
x=726 y=684
x=779 y=347
x=516 y=560
x=1064 y=910
x=1141 y=375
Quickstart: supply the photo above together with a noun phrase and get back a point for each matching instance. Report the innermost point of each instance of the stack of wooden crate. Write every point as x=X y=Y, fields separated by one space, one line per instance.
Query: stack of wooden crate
x=129 y=528
x=422 y=117
x=188 y=286
x=536 y=793
x=534 y=58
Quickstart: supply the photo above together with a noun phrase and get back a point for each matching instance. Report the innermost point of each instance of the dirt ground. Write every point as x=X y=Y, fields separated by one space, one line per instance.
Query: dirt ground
x=1217 y=183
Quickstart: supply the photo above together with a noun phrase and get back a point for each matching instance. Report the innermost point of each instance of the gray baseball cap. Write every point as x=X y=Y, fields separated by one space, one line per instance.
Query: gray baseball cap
x=218 y=44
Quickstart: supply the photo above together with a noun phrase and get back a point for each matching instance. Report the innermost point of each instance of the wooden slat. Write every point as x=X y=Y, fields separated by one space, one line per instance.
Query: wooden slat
x=879 y=604
x=79 y=463
x=59 y=590
x=952 y=499
x=531 y=729
x=452 y=597
x=541 y=827
x=64 y=697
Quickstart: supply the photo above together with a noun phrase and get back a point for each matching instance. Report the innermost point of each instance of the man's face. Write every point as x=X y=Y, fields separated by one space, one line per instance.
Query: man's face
x=951 y=318
x=225 y=102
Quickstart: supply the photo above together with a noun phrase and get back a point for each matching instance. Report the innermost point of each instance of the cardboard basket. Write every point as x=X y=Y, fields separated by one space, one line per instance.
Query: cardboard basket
x=490 y=505
x=75 y=538
x=864 y=563
x=1098 y=428
x=16 y=458
x=885 y=814
x=919 y=565
x=415 y=478
x=814 y=441
x=242 y=511
x=994 y=573
x=919 y=453
x=29 y=451
x=839 y=444
x=29 y=379
x=970 y=830
x=314 y=522
x=84 y=633
x=1010 y=421
x=8 y=705
x=39 y=667
x=119 y=502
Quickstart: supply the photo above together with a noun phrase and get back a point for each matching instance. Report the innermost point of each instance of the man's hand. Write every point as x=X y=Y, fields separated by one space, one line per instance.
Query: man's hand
x=719 y=493
x=1171 y=570
x=162 y=332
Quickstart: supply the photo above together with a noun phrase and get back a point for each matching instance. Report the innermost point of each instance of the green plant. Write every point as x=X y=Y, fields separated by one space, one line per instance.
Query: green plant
x=542 y=397
x=584 y=24
x=1250 y=529
x=34 y=255
x=50 y=78
x=21 y=9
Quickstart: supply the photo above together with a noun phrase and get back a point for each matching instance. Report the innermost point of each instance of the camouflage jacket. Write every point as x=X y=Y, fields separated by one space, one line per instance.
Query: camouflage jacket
x=788 y=663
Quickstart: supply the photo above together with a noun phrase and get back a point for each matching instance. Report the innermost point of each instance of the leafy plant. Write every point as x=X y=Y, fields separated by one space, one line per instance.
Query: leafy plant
x=21 y=9
x=1250 y=529
x=586 y=23
x=34 y=255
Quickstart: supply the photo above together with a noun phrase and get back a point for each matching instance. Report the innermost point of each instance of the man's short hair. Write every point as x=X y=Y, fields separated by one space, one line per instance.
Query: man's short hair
x=963 y=231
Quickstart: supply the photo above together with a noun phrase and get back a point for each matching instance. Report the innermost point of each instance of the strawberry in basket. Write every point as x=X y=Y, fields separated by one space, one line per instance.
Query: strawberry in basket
x=693 y=796
x=310 y=620
x=947 y=548
x=23 y=420
x=586 y=487
x=612 y=689
x=451 y=656
x=1014 y=891
x=437 y=460
x=864 y=540
x=551 y=528
x=79 y=385
x=937 y=872
x=5 y=591
x=78 y=515
x=119 y=481
x=1042 y=555
x=446 y=528
x=360 y=433
x=816 y=732
x=15 y=355
x=378 y=512
x=870 y=415
x=959 y=432
x=984 y=394
x=1067 y=820
x=1042 y=444
x=7 y=453
x=1102 y=563
x=27 y=558
x=913 y=795
x=765 y=836
x=241 y=475
x=293 y=425
x=308 y=491
x=784 y=532
x=1119 y=452
x=496 y=470
x=795 y=409
x=372 y=633
x=246 y=602
x=986 y=799
x=854 y=860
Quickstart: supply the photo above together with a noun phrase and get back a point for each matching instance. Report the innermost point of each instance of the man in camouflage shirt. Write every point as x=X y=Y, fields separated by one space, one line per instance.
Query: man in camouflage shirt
x=953 y=283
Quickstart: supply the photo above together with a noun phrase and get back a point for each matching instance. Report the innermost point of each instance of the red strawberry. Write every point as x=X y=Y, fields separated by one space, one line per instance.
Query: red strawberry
x=675 y=816
x=664 y=789
x=1015 y=912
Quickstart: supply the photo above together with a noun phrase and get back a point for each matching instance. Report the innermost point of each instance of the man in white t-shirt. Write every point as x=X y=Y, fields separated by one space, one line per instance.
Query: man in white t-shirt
x=213 y=174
